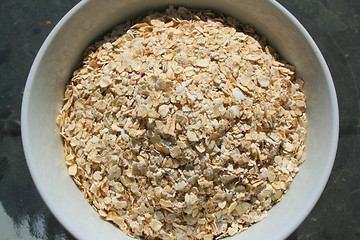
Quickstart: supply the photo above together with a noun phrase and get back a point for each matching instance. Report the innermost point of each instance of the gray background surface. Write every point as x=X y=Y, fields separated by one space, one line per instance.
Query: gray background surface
x=24 y=25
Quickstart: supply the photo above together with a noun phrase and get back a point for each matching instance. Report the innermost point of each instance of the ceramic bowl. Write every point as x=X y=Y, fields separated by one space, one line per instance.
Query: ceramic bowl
x=87 y=22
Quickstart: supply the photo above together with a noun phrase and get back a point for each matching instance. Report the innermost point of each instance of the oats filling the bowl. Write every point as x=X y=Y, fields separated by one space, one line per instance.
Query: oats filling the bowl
x=183 y=125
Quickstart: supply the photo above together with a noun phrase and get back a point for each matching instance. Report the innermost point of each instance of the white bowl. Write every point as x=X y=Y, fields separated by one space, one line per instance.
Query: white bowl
x=86 y=22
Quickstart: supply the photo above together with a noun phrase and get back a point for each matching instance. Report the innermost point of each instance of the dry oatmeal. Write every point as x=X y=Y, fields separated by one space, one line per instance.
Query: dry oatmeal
x=184 y=125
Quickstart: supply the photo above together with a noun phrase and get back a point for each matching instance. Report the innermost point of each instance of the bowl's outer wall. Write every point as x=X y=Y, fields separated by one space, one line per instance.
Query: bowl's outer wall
x=85 y=23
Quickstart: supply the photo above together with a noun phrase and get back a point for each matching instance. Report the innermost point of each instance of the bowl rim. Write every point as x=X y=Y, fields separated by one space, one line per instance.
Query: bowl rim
x=26 y=138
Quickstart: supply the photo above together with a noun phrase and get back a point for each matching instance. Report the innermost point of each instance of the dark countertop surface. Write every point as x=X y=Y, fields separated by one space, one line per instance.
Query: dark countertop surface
x=333 y=24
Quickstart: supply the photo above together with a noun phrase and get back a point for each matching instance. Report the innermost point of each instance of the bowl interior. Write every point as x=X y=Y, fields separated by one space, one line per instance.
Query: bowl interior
x=61 y=53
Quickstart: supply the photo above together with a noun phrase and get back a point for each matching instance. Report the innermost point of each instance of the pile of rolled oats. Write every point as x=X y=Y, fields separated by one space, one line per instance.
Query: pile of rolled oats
x=184 y=125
